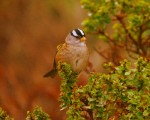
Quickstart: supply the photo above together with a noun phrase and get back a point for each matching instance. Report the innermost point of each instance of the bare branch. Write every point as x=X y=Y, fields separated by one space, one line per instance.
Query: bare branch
x=100 y=53
x=125 y=28
x=102 y=32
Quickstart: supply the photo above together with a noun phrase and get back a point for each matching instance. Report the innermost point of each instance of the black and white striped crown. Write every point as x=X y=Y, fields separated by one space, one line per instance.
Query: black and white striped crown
x=77 y=33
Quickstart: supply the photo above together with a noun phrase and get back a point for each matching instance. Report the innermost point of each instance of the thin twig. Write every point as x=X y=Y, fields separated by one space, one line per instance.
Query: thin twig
x=127 y=31
x=100 y=53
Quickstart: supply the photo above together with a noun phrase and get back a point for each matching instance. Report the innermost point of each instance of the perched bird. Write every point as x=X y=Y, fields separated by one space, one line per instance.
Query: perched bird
x=74 y=52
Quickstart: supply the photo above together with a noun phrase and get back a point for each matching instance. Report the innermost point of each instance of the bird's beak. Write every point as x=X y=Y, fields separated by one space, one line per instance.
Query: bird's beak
x=83 y=39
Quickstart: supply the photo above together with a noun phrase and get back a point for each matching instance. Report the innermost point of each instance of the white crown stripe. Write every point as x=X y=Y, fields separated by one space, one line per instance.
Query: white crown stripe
x=74 y=33
x=81 y=31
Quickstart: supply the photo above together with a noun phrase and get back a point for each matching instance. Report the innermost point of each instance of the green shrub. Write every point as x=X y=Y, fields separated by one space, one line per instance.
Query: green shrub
x=37 y=114
x=124 y=93
x=4 y=115
x=121 y=23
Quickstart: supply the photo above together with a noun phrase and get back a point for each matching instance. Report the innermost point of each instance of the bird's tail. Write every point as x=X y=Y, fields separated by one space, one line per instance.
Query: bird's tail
x=51 y=73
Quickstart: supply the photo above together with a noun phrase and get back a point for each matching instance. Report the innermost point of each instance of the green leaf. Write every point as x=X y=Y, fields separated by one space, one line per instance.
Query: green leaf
x=146 y=113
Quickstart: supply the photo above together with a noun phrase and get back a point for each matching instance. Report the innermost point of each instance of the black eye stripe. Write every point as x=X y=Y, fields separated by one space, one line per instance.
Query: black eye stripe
x=79 y=33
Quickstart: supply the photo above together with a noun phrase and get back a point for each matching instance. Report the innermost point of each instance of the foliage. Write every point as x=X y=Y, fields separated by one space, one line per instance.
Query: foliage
x=4 y=115
x=68 y=91
x=124 y=93
x=37 y=114
x=121 y=23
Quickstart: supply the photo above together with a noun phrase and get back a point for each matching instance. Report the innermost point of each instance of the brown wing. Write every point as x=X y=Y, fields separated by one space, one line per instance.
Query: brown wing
x=62 y=50
x=58 y=48
x=53 y=72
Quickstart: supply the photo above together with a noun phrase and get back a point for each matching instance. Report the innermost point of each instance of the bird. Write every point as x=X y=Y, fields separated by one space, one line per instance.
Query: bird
x=73 y=51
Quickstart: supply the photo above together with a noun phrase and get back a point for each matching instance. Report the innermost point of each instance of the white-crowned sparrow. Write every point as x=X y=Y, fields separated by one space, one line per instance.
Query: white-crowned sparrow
x=74 y=52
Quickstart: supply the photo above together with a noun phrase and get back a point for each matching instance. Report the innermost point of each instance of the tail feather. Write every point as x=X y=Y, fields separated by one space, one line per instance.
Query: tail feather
x=51 y=73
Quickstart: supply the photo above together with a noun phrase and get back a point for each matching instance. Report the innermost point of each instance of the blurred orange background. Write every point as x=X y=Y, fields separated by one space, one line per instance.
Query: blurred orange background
x=30 y=30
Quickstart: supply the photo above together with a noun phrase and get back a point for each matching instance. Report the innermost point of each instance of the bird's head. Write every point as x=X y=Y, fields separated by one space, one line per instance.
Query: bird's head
x=76 y=37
